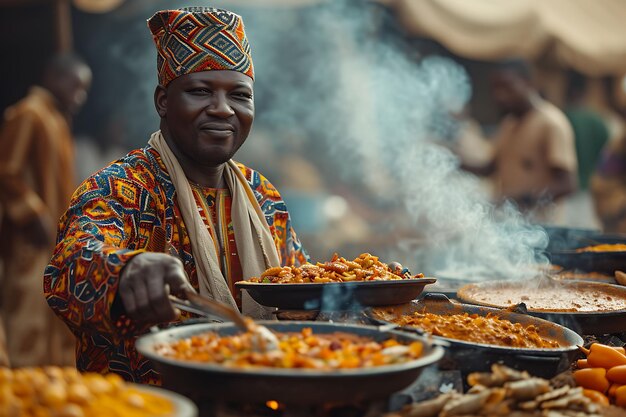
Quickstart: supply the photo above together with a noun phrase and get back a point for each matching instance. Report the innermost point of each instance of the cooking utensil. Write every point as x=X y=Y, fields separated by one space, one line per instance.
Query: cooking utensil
x=477 y=357
x=335 y=296
x=590 y=323
x=205 y=381
x=263 y=338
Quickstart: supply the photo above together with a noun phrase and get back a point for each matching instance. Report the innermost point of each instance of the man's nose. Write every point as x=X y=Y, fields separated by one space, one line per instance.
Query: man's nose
x=219 y=106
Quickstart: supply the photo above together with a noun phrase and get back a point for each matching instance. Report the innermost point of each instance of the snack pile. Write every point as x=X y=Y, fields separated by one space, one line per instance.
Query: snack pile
x=64 y=392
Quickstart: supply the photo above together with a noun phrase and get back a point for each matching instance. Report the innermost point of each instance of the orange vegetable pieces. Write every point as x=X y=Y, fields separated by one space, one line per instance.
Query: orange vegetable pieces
x=620 y=349
x=582 y=364
x=603 y=356
x=614 y=388
x=620 y=396
x=592 y=378
x=596 y=396
x=617 y=374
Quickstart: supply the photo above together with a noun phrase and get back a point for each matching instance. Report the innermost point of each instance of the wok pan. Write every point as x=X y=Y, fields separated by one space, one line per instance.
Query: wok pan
x=202 y=382
x=585 y=323
x=564 y=242
x=477 y=357
x=607 y=262
x=335 y=296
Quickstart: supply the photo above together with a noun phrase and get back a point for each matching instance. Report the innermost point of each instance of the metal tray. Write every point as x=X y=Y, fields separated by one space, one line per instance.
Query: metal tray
x=335 y=296
x=202 y=382
x=477 y=357
x=584 y=323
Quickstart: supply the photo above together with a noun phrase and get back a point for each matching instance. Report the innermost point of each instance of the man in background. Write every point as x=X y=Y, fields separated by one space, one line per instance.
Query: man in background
x=533 y=161
x=36 y=183
x=591 y=135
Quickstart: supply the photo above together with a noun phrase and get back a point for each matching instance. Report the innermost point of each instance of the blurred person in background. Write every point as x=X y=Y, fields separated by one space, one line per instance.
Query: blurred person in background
x=178 y=215
x=533 y=157
x=591 y=135
x=608 y=183
x=36 y=183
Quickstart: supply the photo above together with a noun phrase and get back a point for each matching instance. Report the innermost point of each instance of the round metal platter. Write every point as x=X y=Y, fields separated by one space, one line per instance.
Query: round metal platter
x=335 y=296
x=583 y=322
x=206 y=381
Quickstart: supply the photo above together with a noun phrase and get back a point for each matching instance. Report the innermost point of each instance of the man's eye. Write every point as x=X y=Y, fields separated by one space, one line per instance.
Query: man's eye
x=247 y=96
x=199 y=90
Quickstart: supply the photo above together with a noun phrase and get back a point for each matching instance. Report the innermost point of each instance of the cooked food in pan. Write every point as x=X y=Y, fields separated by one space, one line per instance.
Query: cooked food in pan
x=53 y=391
x=302 y=349
x=583 y=297
x=488 y=329
x=607 y=247
x=365 y=267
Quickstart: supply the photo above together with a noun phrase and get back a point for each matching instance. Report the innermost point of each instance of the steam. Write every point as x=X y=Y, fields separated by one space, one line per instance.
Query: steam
x=380 y=114
x=328 y=79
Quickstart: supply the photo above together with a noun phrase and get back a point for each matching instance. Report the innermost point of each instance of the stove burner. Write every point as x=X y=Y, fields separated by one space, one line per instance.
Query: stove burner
x=280 y=410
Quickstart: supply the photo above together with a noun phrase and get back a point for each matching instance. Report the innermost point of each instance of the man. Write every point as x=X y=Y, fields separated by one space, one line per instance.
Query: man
x=178 y=214
x=36 y=183
x=534 y=159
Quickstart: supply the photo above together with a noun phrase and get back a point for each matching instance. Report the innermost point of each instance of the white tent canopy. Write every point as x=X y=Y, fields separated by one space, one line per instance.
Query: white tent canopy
x=588 y=35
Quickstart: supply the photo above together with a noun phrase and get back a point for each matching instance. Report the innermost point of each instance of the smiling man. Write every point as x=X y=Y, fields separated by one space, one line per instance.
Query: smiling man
x=177 y=214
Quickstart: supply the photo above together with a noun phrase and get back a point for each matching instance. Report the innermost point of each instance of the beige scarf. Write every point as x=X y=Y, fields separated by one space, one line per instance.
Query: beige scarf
x=254 y=241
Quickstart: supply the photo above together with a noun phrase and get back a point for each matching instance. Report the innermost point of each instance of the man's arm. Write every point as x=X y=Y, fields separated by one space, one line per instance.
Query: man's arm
x=561 y=157
x=99 y=234
x=563 y=182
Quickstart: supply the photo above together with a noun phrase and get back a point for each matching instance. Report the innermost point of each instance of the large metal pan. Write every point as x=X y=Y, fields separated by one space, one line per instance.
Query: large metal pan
x=477 y=357
x=585 y=323
x=564 y=242
x=567 y=238
x=335 y=296
x=607 y=262
x=202 y=382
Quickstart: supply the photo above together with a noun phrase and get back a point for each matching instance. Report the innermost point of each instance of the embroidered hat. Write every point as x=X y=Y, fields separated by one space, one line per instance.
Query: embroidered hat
x=196 y=39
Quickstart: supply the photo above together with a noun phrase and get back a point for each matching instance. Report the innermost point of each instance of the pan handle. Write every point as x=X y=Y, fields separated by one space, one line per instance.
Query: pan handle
x=518 y=308
x=436 y=297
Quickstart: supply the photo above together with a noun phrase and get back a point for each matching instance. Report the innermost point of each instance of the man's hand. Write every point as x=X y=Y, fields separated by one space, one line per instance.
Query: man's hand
x=145 y=283
x=39 y=231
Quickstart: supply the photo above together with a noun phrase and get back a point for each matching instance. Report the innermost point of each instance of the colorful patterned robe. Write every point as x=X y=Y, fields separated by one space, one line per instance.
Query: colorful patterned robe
x=109 y=221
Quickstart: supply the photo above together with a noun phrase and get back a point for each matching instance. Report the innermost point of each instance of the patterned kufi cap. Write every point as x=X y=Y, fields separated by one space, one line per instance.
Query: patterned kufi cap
x=199 y=39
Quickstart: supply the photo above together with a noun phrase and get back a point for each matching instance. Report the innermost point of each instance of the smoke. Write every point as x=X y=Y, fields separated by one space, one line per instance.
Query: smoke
x=338 y=81
x=380 y=115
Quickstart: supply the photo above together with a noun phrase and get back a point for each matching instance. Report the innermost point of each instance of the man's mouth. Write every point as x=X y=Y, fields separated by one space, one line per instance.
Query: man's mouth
x=218 y=127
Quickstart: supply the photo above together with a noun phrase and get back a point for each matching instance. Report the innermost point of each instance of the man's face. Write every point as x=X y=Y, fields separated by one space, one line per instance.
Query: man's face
x=71 y=87
x=208 y=114
x=509 y=90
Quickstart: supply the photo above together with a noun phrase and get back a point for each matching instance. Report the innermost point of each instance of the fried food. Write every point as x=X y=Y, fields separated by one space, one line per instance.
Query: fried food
x=489 y=329
x=326 y=352
x=521 y=395
x=365 y=267
x=609 y=247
